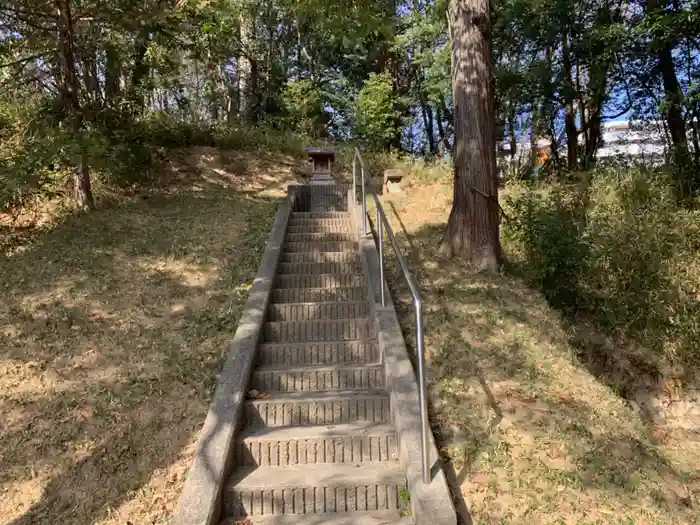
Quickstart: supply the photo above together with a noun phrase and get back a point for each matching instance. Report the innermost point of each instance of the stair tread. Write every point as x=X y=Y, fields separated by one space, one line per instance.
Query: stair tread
x=353 y=320
x=356 y=351
x=338 y=294
x=315 y=303
x=377 y=517
x=322 y=396
x=322 y=241
x=317 y=368
x=314 y=289
x=325 y=214
x=302 y=344
x=317 y=475
x=360 y=428
x=316 y=257
x=354 y=274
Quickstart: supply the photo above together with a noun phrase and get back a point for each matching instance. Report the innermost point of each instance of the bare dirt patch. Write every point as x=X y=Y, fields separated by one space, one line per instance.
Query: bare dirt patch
x=528 y=431
x=113 y=325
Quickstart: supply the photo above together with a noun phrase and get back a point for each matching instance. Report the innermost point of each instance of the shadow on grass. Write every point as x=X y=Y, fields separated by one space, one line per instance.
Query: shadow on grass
x=526 y=432
x=112 y=329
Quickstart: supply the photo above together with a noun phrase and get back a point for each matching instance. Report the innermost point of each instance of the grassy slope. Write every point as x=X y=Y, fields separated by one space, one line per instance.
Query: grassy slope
x=530 y=433
x=112 y=327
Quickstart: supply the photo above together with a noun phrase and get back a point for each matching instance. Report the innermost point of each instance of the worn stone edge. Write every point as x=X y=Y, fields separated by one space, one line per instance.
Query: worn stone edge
x=200 y=500
x=430 y=504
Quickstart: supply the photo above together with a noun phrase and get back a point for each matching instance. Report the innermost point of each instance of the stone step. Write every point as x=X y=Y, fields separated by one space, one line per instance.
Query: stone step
x=334 y=268
x=319 y=281
x=320 y=226
x=313 y=409
x=320 y=247
x=317 y=311
x=302 y=331
x=321 y=237
x=321 y=257
x=317 y=295
x=319 y=378
x=318 y=353
x=348 y=443
x=321 y=203
x=377 y=517
x=335 y=205
x=319 y=215
x=313 y=489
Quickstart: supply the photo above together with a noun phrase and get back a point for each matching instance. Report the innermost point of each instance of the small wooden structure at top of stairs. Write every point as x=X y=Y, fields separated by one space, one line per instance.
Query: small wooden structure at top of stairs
x=321 y=160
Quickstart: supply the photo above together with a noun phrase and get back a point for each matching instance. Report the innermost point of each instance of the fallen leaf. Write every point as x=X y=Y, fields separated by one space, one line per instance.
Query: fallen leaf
x=254 y=394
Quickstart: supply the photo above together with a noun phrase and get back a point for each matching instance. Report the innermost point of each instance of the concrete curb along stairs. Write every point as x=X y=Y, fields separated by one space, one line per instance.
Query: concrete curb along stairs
x=301 y=429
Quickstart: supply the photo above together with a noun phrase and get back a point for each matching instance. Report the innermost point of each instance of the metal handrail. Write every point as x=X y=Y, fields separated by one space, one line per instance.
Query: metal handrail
x=384 y=226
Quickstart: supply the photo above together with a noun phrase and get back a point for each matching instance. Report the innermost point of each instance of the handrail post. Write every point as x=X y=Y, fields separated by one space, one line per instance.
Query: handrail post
x=380 y=241
x=425 y=448
x=364 y=202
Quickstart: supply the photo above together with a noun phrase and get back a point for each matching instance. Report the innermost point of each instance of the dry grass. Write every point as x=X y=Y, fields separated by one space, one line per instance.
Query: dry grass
x=529 y=433
x=112 y=328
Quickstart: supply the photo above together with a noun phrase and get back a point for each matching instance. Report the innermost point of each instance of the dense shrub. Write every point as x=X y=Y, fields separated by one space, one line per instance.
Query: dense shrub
x=617 y=249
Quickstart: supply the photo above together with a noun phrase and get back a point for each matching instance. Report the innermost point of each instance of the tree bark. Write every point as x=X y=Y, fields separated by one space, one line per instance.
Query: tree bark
x=82 y=190
x=473 y=226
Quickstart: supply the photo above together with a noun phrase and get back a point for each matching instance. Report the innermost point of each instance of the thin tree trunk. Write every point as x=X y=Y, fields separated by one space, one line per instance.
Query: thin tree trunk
x=569 y=109
x=441 y=131
x=140 y=72
x=113 y=73
x=82 y=191
x=245 y=71
x=674 y=104
x=512 y=139
x=473 y=227
x=673 y=107
x=427 y=112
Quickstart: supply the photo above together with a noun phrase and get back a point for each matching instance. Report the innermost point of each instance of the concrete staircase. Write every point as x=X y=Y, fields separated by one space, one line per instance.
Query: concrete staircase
x=317 y=446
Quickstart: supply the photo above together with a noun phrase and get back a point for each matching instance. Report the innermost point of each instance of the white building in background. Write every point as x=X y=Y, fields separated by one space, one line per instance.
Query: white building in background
x=632 y=139
x=622 y=140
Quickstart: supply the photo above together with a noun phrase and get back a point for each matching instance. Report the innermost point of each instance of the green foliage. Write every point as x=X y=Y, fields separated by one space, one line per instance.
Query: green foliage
x=377 y=113
x=617 y=250
x=305 y=104
x=550 y=231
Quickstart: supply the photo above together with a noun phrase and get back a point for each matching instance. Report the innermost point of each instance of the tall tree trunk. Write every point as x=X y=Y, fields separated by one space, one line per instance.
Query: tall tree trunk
x=473 y=227
x=82 y=191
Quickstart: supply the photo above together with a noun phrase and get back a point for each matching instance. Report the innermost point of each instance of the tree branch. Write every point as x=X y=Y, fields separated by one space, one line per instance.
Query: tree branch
x=22 y=60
